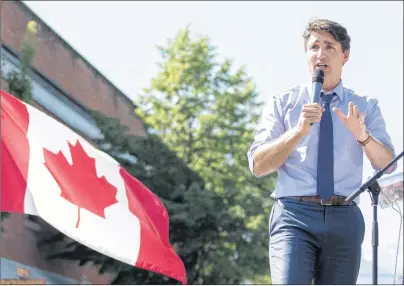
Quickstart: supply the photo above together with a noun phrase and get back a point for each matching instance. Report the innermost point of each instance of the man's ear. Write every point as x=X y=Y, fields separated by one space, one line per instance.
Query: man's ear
x=346 y=56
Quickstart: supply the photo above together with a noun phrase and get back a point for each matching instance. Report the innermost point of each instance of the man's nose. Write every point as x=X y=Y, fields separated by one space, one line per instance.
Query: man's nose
x=321 y=54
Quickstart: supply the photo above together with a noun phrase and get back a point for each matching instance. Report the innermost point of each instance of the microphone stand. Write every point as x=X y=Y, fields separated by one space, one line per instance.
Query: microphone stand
x=374 y=189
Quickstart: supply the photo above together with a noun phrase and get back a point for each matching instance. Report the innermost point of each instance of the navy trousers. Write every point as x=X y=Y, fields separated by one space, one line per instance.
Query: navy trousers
x=315 y=244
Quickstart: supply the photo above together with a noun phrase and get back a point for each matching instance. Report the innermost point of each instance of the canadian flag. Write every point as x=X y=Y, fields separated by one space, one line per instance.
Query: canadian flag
x=50 y=171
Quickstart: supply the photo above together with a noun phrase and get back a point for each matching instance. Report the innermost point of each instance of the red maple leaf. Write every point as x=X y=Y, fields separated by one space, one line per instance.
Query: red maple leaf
x=79 y=182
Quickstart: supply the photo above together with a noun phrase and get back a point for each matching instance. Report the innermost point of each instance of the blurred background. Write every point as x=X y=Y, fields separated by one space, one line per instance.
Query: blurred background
x=173 y=91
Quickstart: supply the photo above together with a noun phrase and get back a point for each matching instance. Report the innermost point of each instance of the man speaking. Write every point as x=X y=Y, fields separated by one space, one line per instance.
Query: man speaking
x=314 y=135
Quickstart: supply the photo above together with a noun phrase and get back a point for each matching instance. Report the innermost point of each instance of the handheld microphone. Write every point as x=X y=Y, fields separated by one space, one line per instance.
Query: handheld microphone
x=317 y=79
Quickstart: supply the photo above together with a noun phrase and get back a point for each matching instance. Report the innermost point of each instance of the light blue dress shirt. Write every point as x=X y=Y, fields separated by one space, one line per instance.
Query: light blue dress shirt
x=298 y=175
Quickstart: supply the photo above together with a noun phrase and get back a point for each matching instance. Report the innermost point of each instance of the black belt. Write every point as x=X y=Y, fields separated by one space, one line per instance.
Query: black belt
x=333 y=201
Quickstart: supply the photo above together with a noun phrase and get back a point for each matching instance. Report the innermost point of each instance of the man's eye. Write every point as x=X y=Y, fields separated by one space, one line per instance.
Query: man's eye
x=314 y=47
x=330 y=47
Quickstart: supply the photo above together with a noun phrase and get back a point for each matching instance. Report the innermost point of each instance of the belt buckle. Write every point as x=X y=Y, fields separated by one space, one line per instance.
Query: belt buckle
x=325 y=204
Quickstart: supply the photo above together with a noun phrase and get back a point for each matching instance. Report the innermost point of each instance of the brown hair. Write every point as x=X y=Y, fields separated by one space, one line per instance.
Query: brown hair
x=339 y=32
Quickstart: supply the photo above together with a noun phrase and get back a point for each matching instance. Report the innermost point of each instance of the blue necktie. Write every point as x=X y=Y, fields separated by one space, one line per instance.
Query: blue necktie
x=325 y=161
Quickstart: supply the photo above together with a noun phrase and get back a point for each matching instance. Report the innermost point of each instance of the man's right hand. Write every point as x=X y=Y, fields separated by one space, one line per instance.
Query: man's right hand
x=270 y=156
x=310 y=113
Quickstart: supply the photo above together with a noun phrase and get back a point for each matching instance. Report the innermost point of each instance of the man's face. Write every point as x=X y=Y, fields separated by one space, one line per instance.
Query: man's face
x=325 y=52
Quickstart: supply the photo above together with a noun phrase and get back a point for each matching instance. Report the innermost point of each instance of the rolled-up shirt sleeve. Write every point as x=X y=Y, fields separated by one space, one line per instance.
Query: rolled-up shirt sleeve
x=268 y=129
x=376 y=125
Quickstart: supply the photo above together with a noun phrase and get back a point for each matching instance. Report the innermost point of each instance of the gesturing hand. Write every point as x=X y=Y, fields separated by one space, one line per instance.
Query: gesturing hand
x=354 y=121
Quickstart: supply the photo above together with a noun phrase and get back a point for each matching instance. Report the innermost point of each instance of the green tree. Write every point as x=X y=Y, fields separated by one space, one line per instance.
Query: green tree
x=200 y=117
x=19 y=84
x=204 y=110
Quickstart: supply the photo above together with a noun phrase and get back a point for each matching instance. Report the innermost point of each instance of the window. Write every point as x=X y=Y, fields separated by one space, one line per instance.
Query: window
x=53 y=100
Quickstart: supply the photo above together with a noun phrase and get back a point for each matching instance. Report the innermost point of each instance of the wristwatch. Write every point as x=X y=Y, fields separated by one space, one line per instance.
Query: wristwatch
x=366 y=141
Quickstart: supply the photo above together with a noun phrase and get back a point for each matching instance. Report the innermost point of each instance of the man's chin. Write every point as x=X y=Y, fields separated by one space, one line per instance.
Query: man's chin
x=330 y=85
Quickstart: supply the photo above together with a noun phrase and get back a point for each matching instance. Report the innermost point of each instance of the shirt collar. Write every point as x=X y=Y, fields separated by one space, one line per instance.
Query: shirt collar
x=339 y=89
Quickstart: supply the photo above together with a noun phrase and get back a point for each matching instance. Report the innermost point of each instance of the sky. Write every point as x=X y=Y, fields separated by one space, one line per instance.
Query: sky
x=120 y=39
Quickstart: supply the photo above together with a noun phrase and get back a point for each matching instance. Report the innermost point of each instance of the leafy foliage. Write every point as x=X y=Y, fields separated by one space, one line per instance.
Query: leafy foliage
x=205 y=112
x=19 y=84
x=200 y=117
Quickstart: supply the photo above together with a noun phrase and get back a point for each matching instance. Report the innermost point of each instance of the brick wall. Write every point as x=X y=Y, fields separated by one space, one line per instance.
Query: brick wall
x=83 y=84
x=65 y=68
